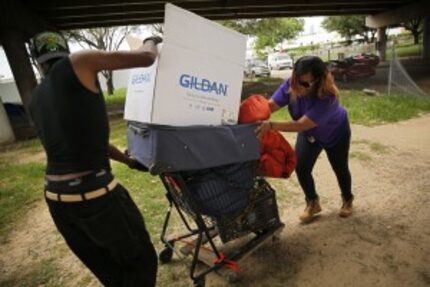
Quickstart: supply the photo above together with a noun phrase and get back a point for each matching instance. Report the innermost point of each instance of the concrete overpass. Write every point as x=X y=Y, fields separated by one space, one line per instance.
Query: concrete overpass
x=21 y=19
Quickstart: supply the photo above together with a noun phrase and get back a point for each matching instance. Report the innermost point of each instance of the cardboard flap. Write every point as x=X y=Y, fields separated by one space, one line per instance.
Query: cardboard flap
x=189 y=30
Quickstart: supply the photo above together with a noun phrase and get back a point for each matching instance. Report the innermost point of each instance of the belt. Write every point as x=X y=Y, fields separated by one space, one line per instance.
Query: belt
x=83 y=196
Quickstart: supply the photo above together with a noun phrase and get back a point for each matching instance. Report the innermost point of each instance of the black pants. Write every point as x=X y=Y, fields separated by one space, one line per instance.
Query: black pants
x=108 y=233
x=307 y=154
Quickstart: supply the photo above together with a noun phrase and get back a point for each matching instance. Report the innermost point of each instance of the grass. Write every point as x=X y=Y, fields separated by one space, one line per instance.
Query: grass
x=42 y=274
x=382 y=109
x=378 y=148
x=362 y=156
x=409 y=50
x=368 y=110
x=20 y=186
x=375 y=147
x=117 y=99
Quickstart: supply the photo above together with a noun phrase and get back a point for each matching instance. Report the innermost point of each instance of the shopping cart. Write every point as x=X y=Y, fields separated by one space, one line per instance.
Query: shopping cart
x=260 y=218
x=253 y=217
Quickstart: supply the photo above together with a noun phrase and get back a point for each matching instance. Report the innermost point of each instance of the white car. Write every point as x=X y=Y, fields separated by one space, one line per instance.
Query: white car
x=256 y=67
x=278 y=61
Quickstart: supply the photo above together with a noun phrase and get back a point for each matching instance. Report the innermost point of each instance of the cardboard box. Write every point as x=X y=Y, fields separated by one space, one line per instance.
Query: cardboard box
x=197 y=78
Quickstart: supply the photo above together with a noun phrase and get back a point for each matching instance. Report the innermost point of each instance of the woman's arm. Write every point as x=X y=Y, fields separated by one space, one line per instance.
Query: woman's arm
x=302 y=124
x=273 y=106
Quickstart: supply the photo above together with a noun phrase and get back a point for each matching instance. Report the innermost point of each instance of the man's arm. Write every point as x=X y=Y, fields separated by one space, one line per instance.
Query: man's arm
x=119 y=156
x=88 y=63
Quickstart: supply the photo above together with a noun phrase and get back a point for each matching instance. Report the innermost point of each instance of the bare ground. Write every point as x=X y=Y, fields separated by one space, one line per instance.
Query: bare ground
x=385 y=243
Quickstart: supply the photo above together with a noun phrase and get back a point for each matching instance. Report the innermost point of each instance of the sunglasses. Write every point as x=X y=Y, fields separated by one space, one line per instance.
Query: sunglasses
x=306 y=85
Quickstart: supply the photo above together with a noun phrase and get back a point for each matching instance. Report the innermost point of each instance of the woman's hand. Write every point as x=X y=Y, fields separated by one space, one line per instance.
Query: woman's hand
x=263 y=128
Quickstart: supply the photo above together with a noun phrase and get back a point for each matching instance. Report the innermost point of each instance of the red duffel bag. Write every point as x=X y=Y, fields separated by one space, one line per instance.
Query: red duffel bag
x=278 y=158
x=255 y=108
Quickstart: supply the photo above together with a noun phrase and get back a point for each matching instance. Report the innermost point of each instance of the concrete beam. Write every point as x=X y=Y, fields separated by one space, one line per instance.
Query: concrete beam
x=13 y=42
x=6 y=132
x=382 y=43
x=14 y=15
x=401 y=14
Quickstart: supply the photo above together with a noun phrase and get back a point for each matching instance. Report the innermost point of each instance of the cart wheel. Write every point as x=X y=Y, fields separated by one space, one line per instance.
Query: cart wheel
x=199 y=282
x=166 y=255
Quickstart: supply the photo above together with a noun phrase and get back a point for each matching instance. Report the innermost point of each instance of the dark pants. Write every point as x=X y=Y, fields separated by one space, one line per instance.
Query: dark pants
x=307 y=154
x=108 y=234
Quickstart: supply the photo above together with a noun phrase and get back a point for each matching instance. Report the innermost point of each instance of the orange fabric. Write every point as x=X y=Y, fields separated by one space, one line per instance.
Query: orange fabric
x=278 y=158
x=255 y=108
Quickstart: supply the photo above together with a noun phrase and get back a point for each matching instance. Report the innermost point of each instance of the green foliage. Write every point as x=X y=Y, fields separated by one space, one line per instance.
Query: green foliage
x=244 y=26
x=416 y=27
x=348 y=26
x=303 y=50
x=273 y=31
x=269 y=31
x=117 y=99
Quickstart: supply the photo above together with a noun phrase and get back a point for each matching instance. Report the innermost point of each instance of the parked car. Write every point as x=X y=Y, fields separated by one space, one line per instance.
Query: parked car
x=352 y=68
x=278 y=61
x=370 y=59
x=256 y=68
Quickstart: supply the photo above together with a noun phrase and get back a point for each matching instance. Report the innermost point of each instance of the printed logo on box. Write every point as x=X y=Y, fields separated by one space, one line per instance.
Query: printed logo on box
x=204 y=85
x=141 y=78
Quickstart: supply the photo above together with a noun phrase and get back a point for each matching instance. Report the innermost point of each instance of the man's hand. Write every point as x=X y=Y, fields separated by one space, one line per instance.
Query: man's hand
x=156 y=39
x=134 y=164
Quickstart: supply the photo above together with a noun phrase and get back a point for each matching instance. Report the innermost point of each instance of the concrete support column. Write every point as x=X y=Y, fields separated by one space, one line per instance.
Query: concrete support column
x=426 y=38
x=6 y=132
x=14 y=46
x=382 y=43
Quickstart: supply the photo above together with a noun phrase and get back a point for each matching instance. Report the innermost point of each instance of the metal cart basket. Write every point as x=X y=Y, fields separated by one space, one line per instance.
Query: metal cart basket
x=217 y=203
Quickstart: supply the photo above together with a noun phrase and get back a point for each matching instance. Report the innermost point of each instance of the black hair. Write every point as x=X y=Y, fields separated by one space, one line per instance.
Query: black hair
x=310 y=64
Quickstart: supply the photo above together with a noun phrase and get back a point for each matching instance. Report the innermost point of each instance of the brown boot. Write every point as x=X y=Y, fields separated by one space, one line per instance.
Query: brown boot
x=346 y=209
x=312 y=208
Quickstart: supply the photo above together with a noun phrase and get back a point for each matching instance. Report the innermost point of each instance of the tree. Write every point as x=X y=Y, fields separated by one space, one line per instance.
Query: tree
x=416 y=28
x=106 y=39
x=269 y=32
x=349 y=26
x=245 y=26
x=157 y=29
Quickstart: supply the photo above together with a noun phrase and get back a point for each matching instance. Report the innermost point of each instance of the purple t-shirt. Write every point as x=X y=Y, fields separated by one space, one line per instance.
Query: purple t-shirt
x=331 y=119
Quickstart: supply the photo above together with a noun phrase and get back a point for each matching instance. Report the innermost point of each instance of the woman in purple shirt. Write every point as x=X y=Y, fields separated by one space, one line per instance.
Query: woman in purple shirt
x=322 y=124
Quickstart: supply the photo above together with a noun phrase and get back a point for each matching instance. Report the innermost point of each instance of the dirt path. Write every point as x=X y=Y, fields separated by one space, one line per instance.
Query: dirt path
x=385 y=243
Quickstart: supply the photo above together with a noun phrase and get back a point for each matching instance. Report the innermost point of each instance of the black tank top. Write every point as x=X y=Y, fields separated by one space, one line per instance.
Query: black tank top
x=71 y=121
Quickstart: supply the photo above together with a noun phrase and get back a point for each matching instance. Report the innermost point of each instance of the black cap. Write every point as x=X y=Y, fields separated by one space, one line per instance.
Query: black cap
x=48 y=45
